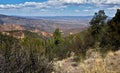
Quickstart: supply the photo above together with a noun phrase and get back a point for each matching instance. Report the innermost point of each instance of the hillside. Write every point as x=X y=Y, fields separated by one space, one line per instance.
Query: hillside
x=94 y=63
x=28 y=48
x=45 y=24
x=10 y=27
x=20 y=34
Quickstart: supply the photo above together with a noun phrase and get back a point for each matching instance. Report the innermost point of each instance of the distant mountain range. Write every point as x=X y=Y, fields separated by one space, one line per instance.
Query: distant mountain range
x=60 y=17
x=48 y=24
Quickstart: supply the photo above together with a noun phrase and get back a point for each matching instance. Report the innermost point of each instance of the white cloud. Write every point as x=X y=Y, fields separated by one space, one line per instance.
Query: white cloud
x=57 y=3
x=88 y=1
x=44 y=10
x=47 y=4
x=60 y=7
x=31 y=4
x=39 y=8
x=21 y=5
x=92 y=11
x=112 y=1
x=77 y=10
x=74 y=1
x=114 y=8
x=9 y=6
x=86 y=10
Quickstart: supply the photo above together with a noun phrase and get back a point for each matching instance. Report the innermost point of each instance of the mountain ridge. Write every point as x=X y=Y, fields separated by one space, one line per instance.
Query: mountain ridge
x=48 y=24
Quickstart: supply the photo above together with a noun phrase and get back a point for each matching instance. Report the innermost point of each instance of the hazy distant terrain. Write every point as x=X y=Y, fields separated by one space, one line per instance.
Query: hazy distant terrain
x=48 y=24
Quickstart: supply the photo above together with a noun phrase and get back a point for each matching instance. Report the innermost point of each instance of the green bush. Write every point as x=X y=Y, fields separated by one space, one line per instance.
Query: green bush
x=18 y=58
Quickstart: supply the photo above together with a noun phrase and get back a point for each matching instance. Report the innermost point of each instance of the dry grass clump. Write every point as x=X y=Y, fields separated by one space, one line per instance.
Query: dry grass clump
x=94 y=63
x=97 y=64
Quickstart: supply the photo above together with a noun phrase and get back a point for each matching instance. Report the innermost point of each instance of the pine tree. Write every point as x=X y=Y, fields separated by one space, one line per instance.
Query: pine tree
x=97 y=22
x=114 y=30
x=57 y=36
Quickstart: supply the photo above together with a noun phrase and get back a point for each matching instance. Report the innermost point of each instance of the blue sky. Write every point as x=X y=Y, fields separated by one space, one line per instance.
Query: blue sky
x=58 y=7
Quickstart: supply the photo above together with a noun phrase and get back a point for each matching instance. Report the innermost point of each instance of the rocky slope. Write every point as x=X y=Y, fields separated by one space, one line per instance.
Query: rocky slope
x=11 y=27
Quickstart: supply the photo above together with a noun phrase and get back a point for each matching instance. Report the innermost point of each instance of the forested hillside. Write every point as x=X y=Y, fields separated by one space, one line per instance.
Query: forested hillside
x=23 y=51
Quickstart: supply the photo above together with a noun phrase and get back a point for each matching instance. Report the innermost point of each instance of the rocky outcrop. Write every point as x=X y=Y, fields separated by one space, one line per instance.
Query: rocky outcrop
x=10 y=27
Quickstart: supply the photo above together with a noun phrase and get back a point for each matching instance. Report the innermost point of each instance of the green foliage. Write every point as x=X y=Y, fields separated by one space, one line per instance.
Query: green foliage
x=97 y=23
x=114 y=30
x=56 y=50
x=24 y=56
x=34 y=53
x=109 y=36
x=80 y=43
x=57 y=36
x=6 y=42
x=56 y=47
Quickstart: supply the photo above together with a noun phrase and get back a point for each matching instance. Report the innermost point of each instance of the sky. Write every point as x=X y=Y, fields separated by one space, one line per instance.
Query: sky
x=58 y=7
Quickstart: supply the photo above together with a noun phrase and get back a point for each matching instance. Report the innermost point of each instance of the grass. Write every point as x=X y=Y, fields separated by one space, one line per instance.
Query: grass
x=94 y=63
x=98 y=64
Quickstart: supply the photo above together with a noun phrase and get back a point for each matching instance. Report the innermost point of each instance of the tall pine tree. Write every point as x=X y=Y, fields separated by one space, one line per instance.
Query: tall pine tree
x=97 y=22
x=57 y=36
x=114 y=30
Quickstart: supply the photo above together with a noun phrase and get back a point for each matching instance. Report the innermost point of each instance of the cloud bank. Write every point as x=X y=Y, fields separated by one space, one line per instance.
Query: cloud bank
x=92 y=1
x=61 y=7
x=52 y=3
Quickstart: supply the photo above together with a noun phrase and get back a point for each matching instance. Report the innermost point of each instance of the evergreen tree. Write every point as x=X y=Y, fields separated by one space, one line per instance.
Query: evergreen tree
x=57 y=36
x=97 y=22
x=114 y=30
